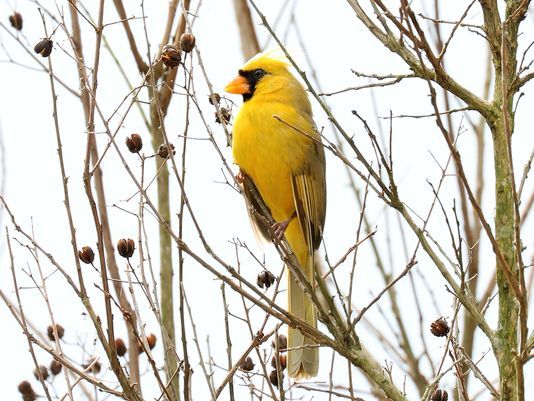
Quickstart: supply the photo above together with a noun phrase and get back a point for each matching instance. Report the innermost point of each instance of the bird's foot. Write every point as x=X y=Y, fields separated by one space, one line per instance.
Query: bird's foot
x=240 y=177
x=280 y=228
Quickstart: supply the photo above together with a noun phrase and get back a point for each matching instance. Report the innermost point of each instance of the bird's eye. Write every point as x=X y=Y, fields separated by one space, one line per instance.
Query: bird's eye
x=258 y=73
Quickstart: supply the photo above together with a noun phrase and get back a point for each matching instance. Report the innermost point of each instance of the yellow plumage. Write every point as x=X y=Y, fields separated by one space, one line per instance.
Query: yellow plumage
x=287 y=165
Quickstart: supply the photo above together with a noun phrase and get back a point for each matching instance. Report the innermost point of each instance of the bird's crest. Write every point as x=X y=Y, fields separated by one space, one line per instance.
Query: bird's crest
x=269 y=59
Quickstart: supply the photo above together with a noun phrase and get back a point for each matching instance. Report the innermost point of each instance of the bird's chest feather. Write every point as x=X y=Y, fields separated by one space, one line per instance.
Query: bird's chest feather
x=269 y=152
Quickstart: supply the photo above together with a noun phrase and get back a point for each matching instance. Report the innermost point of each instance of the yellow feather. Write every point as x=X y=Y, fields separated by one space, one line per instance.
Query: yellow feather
x=286 y=163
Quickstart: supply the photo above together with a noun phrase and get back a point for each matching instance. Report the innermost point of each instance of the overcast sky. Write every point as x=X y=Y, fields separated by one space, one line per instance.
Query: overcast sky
x=335 y=42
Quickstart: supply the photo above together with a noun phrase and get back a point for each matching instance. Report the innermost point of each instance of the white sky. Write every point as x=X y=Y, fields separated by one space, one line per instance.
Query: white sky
x=336 y=42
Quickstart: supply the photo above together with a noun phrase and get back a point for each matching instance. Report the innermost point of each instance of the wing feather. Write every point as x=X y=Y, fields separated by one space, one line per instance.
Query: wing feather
x=309 y=194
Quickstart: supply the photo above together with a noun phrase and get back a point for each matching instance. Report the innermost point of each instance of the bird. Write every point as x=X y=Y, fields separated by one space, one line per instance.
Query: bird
x=276 y=144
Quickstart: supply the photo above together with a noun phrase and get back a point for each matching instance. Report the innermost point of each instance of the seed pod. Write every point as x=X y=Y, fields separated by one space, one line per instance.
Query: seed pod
x=171 y=56
x=86 y=255
x=134 y=143
x=439 y=328
x=282 y=343
x=29 y=397
x=225 y=114
x=187 y=42
x=55 y=367
x=126 y=247
x=273 y=378
x=44 y=47
x=282 y=360
x=25 y=387
x=120 y=346
x=164 y=151
x=151 y=339
x=95 y=367
x=214 y=98
x=247 y=365
x=265 y=279
x=43 y=370
x=439 y=395
x=50 y=332
x=15 y=20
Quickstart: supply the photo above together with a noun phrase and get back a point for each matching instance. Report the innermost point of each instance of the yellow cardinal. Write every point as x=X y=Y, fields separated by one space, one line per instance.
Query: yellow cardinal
x=284 y=158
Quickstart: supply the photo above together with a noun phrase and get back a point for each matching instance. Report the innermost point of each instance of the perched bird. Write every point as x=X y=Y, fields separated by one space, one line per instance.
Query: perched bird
x=276 y=144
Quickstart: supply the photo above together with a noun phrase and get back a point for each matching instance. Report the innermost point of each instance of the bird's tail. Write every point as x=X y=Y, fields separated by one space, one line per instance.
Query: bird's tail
x=303 y=357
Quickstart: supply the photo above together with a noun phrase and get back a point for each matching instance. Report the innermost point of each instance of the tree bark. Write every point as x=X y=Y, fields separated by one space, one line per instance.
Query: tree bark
x=505 y=64
x=504 y=232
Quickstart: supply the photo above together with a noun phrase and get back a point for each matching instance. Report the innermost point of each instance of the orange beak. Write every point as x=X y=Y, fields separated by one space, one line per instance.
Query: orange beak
x=238 y=86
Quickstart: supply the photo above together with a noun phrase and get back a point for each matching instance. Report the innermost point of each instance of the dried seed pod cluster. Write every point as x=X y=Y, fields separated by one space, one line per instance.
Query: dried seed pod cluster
x=50 y=331
x=42 y=370
x=439 y=328
x=265 y=279
x=278 y=361
x=55 y=367
x=134 y=143
x=126 y=247
x=280 y=346
x=120 y=346
x=93 y=365
x=15 y=20
x=439 y=395
x=44 y=47
x=282 y=361
x=273 y=378
x=86 y=255
x=225 y=115
x=282 y=343
x=171 y=56
x=164 y=151
x=214 y=98
x=25 y=388
x=247 y=365
x=151 y=339
x=187 y=42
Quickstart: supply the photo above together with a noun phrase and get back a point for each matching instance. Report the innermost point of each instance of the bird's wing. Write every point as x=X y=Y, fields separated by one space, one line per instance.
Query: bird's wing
x=309 y=193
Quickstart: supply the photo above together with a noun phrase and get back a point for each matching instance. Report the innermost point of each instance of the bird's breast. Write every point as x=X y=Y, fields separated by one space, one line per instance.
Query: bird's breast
x=268 y=151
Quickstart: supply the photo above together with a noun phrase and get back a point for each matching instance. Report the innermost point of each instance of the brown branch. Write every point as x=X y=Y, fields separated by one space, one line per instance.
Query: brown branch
x=393 y=81
x=459 y=166
x=259 y=339
x=249 y=40
x=406 y=270
x=96 y=173
x=166 y=91
x=100 y=209
x=23 y=320
x=141 y=65
x=396 y=45
x=80 y=373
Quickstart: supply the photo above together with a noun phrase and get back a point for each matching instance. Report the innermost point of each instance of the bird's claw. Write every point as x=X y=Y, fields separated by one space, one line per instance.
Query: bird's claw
x=280 y=228
x=240 y=177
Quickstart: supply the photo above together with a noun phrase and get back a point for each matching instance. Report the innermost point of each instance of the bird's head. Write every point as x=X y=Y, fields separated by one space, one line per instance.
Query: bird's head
x=263 y=75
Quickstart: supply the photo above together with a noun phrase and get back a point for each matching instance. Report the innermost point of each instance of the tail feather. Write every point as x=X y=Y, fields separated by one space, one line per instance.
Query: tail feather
x=303 y=362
